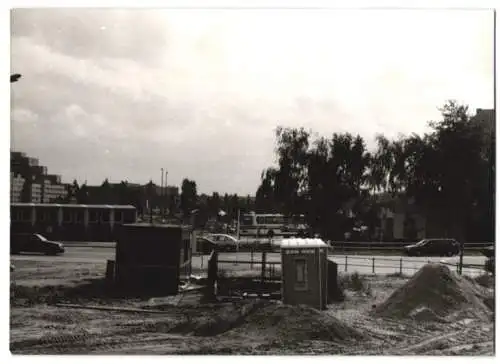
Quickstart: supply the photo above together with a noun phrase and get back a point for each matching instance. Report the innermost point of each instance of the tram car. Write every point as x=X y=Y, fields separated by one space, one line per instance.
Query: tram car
x=70 y=222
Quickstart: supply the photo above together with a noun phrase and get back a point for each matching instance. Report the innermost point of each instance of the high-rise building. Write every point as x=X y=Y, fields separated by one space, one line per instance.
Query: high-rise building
x=16 y=186
x=31 y=183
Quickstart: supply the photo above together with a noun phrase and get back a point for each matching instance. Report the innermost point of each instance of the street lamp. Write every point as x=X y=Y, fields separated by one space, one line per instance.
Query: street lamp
x=15 y=77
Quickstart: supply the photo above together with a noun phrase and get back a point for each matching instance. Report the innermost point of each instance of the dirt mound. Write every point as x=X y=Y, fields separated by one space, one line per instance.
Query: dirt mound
x=485 y=280
x=227 y=318
x=267 y=320
x=290 y=323
x=439 y=290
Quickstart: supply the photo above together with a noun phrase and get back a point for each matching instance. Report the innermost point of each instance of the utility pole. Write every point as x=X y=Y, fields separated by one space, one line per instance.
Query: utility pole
x=166 y=190
x=161 y=194
x=150 y=192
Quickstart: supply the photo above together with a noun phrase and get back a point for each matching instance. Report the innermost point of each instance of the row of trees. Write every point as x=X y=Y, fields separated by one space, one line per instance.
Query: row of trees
x=121 y=193
x=448 y=172
x=221 y=207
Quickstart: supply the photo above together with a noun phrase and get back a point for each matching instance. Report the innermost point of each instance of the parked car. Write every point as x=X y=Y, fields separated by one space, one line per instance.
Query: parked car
x=489 y=252
x=224 y=242
x=34 y=243
x=433 y=247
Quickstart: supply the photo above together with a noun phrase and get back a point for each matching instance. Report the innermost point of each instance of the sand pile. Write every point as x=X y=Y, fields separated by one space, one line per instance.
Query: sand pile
x=436 y=291
x=284 y=322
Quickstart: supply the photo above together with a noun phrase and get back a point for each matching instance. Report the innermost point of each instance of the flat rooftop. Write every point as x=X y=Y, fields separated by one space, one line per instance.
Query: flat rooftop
x=292 y=243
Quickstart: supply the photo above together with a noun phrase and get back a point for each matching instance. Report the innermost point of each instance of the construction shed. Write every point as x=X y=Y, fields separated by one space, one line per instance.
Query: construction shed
x=149 y=257
x=304 y=272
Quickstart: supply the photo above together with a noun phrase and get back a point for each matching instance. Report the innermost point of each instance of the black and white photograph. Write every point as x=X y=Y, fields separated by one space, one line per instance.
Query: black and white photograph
x=252 y=181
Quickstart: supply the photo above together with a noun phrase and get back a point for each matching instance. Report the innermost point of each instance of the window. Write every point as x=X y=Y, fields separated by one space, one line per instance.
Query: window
x=43 y=215
x=300 y=274
x=52 y=215
x=118 y=216
x=67 y=215
x=105 y=215
x=21 y=215
x=93 y=216
x=129 y=215
x=247 y=220
x=79 y=216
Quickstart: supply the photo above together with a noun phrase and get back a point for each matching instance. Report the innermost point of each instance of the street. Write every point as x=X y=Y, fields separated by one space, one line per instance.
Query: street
x=363 y=264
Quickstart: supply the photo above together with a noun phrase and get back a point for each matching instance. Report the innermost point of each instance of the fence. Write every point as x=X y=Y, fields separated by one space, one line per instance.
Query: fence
x=247 y=243
x=383 y=246
x=401 y=265
x=270 y=267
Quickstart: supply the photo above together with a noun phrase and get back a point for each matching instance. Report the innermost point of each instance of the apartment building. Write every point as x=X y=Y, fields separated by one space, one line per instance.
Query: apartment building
x=53 y=191
x=30 y=181
x=16 y=187
x=36 y=193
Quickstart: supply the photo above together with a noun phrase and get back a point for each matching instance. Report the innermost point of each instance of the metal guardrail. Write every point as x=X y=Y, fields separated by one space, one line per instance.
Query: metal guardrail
x=399 y=265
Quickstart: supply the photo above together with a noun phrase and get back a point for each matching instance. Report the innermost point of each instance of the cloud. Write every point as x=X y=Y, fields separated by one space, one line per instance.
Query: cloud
x=123 y=93
x=95 y=33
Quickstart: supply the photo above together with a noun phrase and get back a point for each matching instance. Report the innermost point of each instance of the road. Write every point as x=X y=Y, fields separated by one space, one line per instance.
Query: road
x=363 y=264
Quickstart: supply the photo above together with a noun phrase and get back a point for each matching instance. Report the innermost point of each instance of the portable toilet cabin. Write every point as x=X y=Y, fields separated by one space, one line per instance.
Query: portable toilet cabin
x=304 y=272
x=148 y=258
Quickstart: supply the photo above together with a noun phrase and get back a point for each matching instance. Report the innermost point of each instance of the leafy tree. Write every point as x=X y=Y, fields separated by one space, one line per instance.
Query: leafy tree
x=291 y=175
x=188 y=196
x=73 y=191
x=265 y=198
x=448 y=172
x=82 y=195
x=321 y=180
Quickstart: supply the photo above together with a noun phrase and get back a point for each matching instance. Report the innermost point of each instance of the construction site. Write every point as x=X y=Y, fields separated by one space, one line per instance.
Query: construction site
x=149 y=300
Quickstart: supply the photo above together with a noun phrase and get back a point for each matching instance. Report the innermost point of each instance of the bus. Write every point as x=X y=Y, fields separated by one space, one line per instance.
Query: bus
x=271 y=225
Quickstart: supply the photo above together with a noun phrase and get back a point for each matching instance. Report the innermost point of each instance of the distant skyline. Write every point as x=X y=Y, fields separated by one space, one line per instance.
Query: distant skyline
x=120 y=94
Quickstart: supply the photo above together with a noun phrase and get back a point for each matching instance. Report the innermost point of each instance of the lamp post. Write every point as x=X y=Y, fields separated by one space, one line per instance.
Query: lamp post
x=15 y=77
x=161 y=195
x=166 y=193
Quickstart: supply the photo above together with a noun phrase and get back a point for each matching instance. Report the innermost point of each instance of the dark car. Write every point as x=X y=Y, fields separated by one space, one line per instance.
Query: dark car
x=34 y=243
x=489 y=252
x=433 y=247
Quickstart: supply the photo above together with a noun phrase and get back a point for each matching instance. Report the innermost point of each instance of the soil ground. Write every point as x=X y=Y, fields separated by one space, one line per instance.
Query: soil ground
x=184 y=325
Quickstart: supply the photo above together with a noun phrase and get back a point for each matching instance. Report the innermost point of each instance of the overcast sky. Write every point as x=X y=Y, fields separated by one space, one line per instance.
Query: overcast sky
x=121 y=94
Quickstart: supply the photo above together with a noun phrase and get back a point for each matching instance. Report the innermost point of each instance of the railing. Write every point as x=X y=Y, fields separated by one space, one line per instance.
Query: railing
x=246 y=243
x=388 y=246
x=365 y=265
x=399 y=265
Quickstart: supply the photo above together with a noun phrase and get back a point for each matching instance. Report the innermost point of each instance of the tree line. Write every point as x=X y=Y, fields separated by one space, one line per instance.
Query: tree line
x=216 y=206
x=448 y=173
x=220 y=207
x=122 y=193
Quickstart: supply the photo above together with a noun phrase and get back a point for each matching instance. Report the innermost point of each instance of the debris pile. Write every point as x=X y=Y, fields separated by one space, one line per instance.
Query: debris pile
x=432 y=294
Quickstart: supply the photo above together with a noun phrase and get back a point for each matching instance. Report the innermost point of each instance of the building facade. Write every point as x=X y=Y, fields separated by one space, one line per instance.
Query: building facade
x=16 y=187
x=30 y=181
